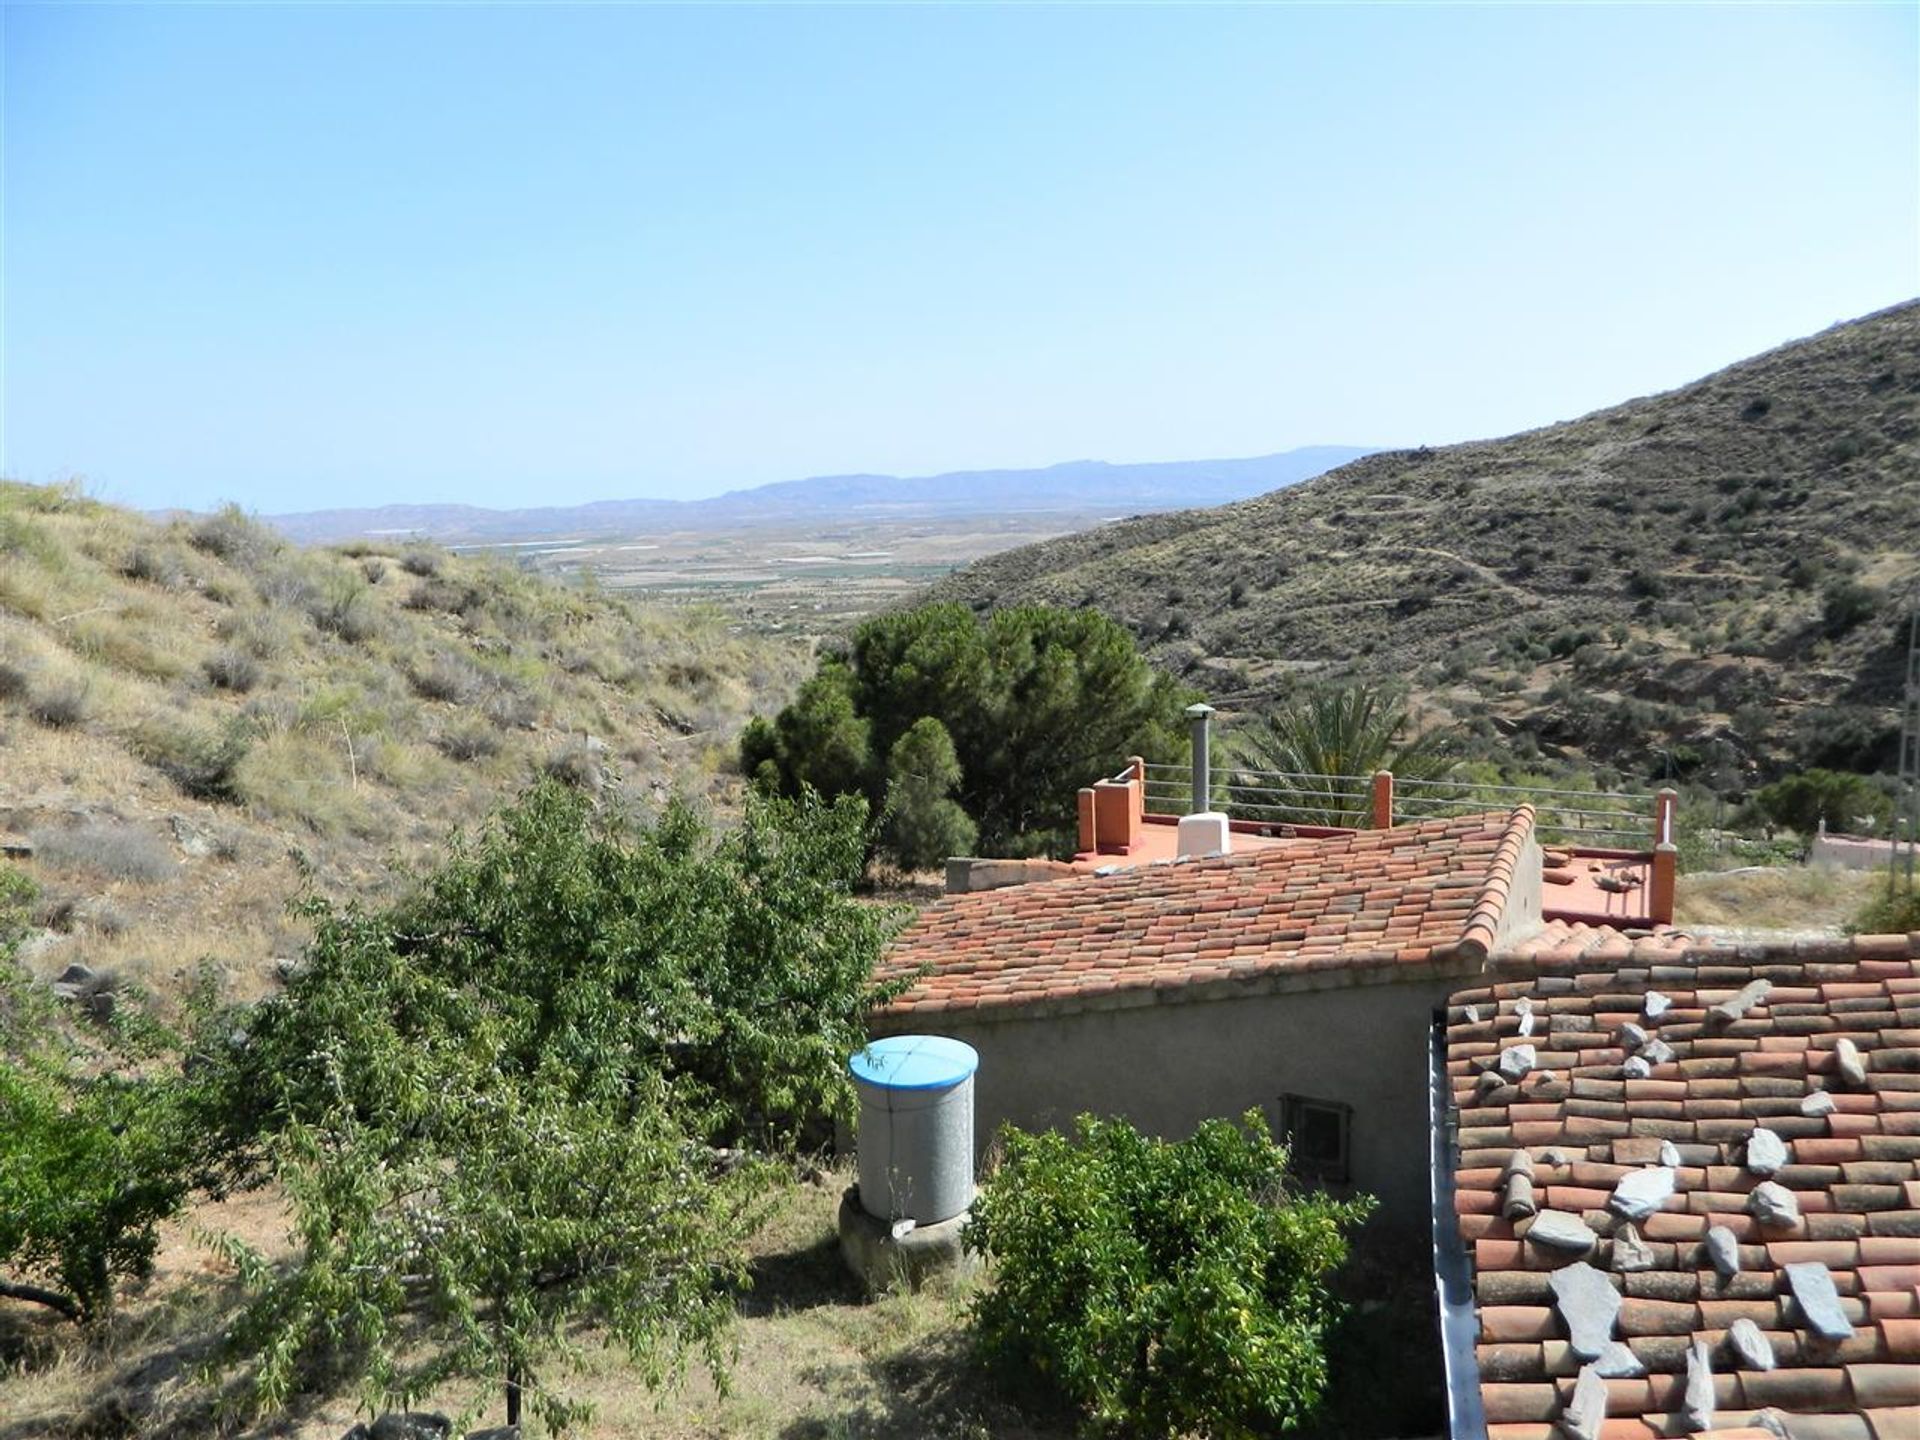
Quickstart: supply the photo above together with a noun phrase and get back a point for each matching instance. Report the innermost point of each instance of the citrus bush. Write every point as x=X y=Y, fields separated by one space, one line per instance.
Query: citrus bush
x=1161 y=1287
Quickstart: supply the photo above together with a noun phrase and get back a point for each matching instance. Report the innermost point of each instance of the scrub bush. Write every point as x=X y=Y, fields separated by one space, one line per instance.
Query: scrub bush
x=1161 y=1288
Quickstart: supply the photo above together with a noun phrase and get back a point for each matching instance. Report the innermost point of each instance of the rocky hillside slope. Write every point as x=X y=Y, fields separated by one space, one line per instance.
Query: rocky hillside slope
x=1722 y=572
x=198 y=719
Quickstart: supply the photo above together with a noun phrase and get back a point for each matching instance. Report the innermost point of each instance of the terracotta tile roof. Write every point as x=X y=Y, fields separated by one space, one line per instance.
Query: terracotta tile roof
x=1818 y=1045
x=1431 y=892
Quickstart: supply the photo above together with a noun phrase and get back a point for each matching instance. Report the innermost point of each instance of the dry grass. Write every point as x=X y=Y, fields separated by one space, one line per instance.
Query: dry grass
x=1797 y=898
x=205 y=670
x=814 y=1358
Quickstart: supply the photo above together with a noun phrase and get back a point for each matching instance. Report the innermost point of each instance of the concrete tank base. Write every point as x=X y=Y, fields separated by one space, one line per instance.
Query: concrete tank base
x=881 y=1262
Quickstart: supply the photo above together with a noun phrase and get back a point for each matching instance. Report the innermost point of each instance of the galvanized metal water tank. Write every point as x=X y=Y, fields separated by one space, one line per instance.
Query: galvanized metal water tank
x=916 y=1127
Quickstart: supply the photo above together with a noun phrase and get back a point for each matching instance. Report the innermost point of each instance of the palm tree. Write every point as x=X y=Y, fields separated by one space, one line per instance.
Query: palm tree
x=1347 y=732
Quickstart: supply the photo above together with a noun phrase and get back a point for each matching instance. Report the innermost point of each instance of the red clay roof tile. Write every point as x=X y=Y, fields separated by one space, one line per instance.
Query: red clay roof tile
x=1428 y=893
x=1853 y=1170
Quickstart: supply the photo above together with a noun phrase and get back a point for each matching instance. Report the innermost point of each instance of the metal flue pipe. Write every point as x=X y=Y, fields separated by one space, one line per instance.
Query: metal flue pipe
x=1201 y=717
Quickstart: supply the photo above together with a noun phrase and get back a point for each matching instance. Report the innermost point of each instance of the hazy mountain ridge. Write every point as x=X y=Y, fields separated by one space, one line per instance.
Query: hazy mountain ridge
x=1723 y=568
x=1089 y=487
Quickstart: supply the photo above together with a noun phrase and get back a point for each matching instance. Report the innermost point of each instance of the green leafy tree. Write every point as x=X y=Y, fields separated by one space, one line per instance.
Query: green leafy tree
x=1349 y=731
x=101 y=1140
x=818 y=741
x=1847 y=802
x=1038 y=702
x=1161 y=1288
x=924 y=825
x=526 y=1098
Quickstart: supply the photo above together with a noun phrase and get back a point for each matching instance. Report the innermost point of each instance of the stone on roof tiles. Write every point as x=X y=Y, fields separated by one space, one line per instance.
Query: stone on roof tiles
x=1750 y=1345
x=1588 y=1304
x=1818 y=1301
x=1771 y=1203
x=1723 y=1251
x=1765 y=1152
x=1585 y=1415
x=1641 y=1192
x=1556 y=1230
x=1698 y=1401
x=1731 y=1102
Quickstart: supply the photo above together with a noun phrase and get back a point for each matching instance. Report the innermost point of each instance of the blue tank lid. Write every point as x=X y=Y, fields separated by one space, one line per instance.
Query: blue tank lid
x=914 y=1062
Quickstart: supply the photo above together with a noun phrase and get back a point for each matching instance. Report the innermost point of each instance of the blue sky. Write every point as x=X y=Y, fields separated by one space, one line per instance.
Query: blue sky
x=314 y=256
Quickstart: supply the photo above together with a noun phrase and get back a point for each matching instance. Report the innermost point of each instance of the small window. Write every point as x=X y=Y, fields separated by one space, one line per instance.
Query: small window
x=1317 y=1135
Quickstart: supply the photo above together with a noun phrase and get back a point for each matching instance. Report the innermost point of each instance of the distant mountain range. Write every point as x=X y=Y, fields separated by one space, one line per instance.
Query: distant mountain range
x=1079 y=487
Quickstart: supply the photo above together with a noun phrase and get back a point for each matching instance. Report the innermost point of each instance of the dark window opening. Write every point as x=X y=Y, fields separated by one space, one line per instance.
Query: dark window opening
x=1317 y=1134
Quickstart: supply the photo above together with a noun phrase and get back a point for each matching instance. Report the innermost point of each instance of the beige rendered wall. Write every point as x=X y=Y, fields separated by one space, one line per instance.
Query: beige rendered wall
x=1169 y=1065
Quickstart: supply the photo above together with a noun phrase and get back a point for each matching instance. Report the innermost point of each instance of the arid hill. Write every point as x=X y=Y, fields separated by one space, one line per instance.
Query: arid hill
x=1723 y=571
x=198 y=719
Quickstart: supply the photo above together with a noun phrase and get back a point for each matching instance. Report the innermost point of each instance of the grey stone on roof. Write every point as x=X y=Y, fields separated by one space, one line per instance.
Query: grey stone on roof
x=1638 y=1194
x=1557 y=1230
x=1818 y=1302
x=1588 y=1304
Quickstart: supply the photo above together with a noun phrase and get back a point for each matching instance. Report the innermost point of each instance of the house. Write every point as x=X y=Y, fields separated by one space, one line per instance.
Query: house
x=1299 y=979
x=1672 y=1186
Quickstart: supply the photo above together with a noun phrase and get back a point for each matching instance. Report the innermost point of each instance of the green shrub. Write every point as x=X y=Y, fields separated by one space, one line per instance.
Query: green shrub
x=232 y=669
x=467 y=742
x=98 y=1145
x=1890 y=915
x=342 y=609
x=230 y=534
x=1161 y=1288
x=1846 y=604
x=199 y=760
x=61 y=705
x=153 y=566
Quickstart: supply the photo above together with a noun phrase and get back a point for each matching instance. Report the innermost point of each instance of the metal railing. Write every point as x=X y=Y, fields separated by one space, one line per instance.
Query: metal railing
x=1604 y=819
x=1601 y=819
x=1268 y=797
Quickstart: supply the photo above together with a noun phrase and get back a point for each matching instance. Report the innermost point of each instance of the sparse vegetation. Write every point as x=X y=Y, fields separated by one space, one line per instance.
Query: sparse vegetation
x=1750 y=538
x=114 y=850
x=61 y=704
x=232 y=669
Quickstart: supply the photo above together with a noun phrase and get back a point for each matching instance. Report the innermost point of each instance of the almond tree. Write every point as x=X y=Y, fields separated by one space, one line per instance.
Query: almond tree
x=548 y=1092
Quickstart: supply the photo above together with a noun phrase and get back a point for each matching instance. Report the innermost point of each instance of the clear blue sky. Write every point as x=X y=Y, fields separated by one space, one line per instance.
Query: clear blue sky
x=303 y=257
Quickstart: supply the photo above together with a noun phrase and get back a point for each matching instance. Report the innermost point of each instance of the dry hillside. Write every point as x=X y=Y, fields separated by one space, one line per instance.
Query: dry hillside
x=197 y=718
x=1723 y=570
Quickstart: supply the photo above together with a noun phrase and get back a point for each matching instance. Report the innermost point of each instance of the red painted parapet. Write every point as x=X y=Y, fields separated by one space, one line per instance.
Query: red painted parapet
x=1666 y=865
x=1117 y=808
x=1383 y=799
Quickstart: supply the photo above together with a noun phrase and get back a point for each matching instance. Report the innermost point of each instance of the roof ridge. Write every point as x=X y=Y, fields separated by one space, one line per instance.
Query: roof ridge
x=1483 y=921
